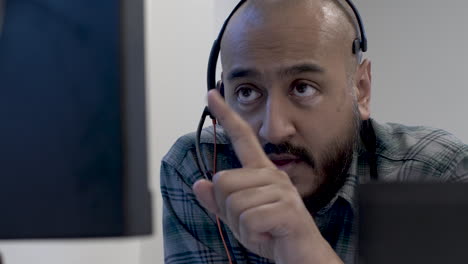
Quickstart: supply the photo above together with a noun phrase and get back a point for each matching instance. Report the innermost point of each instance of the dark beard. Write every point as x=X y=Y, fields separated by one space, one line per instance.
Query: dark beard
x=333 y=166
x=334 y=172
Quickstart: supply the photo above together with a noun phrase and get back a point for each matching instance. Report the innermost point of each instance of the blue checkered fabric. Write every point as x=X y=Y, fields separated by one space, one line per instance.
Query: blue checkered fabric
x=403 y=154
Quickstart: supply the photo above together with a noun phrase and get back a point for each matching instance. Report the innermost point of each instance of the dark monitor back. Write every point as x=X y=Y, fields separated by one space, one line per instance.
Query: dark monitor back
x=73 y=154
x=413 y=223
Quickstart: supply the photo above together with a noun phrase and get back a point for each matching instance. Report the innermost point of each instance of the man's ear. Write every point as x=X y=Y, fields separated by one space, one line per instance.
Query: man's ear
x=363 y=82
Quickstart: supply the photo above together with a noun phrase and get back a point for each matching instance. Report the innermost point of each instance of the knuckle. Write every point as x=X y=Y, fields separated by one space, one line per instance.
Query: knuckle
x=283 y=175
x=217 y=178
x=290 y=201
x=245 y=228
x=294 y=203
x=279 y=175
x=269 y=171
x=245 y=222
x=231 y=202
x=232 y=211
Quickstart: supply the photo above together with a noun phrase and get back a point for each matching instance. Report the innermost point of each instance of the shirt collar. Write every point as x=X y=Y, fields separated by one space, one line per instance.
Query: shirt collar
x=348 y=190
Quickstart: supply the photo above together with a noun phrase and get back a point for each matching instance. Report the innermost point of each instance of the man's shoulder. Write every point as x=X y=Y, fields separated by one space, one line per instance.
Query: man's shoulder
x=425 y=147
x=182 y=158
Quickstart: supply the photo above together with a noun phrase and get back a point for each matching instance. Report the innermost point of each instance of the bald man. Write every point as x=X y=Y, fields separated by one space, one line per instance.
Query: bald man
x=295 y=120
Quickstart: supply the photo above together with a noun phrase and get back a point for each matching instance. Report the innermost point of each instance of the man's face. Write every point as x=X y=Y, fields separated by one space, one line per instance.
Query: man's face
x=289 y=78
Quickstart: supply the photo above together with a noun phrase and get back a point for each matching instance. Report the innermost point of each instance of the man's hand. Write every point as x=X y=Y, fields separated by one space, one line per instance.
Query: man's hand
x=258 y=202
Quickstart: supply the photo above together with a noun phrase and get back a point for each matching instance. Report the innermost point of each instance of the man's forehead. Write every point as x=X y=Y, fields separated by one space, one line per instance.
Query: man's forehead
x=261 y=13
x=277 y=43
x=297 y=13
x=282 y=28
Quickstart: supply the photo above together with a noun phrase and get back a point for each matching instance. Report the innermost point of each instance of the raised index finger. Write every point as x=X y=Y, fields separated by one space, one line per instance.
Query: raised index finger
x=245 y=143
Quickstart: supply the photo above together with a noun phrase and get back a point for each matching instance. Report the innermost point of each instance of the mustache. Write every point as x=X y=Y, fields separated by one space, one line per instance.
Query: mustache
x=288 y=148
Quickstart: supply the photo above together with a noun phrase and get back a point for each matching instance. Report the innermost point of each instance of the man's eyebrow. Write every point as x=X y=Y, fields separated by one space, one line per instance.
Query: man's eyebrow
x=286 y=71
x=242 y=73
x=301 y=68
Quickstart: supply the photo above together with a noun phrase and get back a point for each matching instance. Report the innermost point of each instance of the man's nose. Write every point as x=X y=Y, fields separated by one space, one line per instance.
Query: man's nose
x=277 y=125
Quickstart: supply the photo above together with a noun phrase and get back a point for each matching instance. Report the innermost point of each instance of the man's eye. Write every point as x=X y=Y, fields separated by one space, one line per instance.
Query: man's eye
x=246 y=95
x=302 y=89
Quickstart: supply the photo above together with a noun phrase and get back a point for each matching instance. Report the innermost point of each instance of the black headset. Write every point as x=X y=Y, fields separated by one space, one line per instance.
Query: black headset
x=359 y=44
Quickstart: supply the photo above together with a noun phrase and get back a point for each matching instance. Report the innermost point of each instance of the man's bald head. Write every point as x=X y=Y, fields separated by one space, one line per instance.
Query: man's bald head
x=332 y=21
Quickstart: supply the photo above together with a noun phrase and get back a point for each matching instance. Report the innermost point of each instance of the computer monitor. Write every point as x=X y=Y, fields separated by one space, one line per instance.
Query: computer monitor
x=413 y=222
x=73 y=148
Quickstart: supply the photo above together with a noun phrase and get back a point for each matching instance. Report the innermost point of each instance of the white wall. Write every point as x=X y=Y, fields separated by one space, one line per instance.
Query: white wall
x=97 y=251
x=420 y=61
x=179 y=39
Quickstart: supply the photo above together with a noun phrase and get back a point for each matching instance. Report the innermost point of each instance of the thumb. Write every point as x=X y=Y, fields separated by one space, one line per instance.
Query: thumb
x=204 y=192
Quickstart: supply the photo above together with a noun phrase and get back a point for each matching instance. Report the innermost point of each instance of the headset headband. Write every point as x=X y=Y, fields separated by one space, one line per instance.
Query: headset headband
x=358 y=44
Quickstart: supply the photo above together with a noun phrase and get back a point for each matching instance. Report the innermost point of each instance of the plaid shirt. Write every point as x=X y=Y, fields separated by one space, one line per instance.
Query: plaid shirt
x=403 y=154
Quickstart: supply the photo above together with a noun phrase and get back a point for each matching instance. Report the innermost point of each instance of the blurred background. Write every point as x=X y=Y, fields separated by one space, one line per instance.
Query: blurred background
x=419 y=61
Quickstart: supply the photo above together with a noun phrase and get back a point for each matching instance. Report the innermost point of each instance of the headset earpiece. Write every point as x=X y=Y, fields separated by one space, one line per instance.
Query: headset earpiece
x=220 y=87
x=356 y=46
